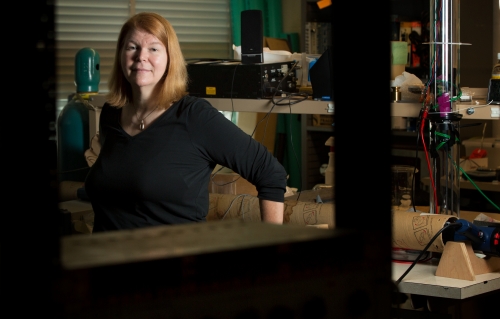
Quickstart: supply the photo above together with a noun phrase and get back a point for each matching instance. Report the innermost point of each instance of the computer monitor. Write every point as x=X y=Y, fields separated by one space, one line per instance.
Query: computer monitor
x=321 y=76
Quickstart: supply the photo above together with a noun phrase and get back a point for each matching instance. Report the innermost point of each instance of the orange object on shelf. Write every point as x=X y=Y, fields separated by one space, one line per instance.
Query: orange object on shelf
x=478 y=153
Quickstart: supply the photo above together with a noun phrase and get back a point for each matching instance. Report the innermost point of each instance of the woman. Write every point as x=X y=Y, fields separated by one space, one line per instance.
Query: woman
x=159 y=145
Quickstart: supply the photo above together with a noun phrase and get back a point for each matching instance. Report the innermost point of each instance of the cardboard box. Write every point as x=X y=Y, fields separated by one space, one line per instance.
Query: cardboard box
x=322 y=120
x=276 y=44
x=490 y=144
x=472 y=164
x=78 y=217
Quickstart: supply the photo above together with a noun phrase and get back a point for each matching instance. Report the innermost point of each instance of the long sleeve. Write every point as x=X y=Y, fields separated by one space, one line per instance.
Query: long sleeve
x=161 y=175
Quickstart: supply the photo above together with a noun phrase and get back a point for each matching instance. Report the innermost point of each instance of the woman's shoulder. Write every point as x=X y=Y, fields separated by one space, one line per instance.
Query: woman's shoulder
x=195 y=109
x=193 y=100
x=109 y=111
x=189 y=102
x=108 y=107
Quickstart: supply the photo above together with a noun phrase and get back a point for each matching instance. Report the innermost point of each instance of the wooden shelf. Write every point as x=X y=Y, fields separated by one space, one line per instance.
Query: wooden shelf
x=480 y=111
x=322 y=128
x=464 y=184
x=265 y=105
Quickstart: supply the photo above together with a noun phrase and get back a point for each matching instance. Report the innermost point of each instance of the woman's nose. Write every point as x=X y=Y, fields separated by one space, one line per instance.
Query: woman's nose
x=142 y=55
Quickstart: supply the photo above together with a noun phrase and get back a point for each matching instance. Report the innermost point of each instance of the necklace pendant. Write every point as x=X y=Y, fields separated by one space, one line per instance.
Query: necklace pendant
x=141 y=125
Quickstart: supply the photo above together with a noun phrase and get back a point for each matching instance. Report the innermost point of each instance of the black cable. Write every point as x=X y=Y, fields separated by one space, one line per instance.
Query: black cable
x=414 y=172
x=417 y=125
x=231 y=204
x=265 y=117
x=304 y=95
x=232 y=86
x=293 y=149
x=288 y=97
x=232 y=113
x=447 y=225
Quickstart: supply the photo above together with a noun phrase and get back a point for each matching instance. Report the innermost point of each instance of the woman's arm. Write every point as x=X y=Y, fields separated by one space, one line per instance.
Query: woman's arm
x=271 y=212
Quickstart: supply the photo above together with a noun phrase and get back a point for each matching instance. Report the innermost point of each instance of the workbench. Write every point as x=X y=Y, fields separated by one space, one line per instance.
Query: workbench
x=431 y=296
x=447 y=297
x=421 y=280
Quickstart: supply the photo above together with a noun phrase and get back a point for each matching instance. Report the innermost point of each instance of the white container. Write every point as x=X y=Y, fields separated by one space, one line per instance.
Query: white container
x=270 y=56
x=490 y=144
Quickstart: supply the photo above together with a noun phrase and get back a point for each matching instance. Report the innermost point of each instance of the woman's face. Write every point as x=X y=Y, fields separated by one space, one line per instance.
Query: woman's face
x=143 y=59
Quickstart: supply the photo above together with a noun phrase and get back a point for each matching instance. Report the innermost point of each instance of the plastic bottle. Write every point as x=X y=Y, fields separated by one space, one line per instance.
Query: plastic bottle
x=495 y=73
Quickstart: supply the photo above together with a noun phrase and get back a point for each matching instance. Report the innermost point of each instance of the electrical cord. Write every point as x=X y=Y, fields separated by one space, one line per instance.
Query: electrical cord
x=266 y=117
x=223 y=184
x=241 y=206
x=232 y=87
x=293 y=149
x=291 y=101
x=414 y=172
x=465 y=108
x=291 y=97
x=447 y=139
x=232 y=114
x=424 y=114
x=433 y=187
x=304 y=96
x=476 y=106
x=474 y=184
x=446 y=226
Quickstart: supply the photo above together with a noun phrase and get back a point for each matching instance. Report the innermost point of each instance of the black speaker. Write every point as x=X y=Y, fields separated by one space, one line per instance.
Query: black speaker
x=321 y=76
x=252 y=37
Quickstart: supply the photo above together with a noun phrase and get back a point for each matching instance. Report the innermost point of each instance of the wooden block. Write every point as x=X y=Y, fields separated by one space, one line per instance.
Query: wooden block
x=455 y=262
x=460 y=262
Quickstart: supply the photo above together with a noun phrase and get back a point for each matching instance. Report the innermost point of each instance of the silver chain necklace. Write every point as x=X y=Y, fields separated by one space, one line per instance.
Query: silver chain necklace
x=141 y=123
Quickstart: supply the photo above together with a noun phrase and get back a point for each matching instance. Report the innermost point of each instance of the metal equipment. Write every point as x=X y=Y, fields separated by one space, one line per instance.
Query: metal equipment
x=231 y=79
x=442 y=94
x=484 y=238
